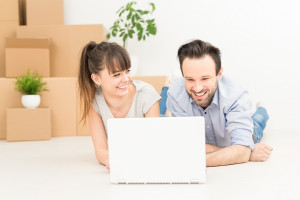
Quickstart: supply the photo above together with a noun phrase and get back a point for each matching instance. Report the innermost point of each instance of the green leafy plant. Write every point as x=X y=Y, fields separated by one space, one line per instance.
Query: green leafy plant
x=132 y=22
x=30 y=84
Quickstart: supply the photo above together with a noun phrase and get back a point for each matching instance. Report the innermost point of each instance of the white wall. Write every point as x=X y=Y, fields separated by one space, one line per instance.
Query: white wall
x=259 y=41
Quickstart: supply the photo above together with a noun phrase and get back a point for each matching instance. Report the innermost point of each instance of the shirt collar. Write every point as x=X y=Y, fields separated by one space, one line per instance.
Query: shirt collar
x=215 y=100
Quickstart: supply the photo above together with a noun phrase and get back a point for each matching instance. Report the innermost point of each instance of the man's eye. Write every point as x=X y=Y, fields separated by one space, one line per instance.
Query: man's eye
x=190 y=80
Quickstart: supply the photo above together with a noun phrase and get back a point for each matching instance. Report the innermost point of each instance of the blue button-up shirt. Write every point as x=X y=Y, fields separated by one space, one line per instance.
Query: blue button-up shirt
x=228 y=117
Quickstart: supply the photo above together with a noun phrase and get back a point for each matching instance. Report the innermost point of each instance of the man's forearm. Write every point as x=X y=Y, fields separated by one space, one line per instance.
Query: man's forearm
x=209 y=148
x=228 y=155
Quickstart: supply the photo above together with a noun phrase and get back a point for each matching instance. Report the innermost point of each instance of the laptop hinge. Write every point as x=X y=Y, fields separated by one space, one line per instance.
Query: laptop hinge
x=194 y=181
x=121 y=181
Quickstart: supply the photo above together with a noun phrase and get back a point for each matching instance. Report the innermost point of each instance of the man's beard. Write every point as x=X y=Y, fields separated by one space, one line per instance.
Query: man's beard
x=204 y=103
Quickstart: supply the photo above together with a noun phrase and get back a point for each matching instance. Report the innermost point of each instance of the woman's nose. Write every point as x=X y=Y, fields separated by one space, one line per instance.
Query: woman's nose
x=125 y=77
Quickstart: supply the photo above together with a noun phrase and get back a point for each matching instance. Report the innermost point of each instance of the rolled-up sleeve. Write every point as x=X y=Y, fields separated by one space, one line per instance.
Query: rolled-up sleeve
x=239 y=124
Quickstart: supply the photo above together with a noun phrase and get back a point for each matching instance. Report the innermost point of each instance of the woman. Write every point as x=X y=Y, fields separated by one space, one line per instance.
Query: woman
x=107 y=91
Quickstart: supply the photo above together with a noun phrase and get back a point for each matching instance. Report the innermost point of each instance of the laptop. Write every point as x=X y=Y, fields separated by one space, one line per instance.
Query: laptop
x=166 y=150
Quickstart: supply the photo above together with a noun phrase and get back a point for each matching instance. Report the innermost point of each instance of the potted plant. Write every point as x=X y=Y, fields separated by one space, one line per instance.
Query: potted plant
x=30 y=85
x=133 y=22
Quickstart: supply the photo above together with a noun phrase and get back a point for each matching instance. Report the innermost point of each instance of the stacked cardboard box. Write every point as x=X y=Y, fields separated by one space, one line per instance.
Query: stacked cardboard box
x=22 y=55
x=41 y=12
x=45 y=44
x=56 y=48
x=9 y=98
x=67 y=41
x=61 y=99
x=9 y=10
x=9 y=20
x=28 y=124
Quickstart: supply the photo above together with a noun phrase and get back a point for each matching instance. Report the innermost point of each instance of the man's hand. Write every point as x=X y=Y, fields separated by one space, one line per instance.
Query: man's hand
x=261 y=152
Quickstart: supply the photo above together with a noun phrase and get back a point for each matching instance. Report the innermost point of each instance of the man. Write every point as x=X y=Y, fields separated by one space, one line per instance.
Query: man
x=225 y=105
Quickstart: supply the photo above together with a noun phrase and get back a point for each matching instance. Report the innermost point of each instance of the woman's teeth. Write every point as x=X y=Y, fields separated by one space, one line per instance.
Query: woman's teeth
x=121 y=87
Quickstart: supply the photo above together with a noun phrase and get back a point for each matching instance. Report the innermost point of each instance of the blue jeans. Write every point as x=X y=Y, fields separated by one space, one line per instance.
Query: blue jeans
x=260 y=118
x=162 y=103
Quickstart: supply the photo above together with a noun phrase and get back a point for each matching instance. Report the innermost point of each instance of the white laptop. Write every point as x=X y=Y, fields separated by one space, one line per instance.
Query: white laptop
x=167 y=150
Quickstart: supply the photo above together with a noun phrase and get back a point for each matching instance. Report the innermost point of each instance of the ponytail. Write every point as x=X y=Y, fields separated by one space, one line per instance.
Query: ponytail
x=87 y=87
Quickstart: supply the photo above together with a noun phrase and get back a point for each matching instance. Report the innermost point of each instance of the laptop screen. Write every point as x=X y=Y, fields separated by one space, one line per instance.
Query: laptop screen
x=157 y=150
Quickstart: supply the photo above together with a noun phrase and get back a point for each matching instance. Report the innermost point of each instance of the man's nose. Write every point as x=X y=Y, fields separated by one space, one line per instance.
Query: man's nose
x=198 y=86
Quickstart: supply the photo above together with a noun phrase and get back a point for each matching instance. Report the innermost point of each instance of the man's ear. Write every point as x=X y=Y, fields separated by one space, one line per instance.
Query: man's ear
x=220 y=74
x=96 y=79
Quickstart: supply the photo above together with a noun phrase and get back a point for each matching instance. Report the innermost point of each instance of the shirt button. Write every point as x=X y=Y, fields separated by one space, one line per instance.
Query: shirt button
x=204 y=112
x=208 y=126
x=210 y=138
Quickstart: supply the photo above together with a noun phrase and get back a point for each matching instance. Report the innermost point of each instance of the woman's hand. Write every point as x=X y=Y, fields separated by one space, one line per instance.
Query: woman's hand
x=107 y=164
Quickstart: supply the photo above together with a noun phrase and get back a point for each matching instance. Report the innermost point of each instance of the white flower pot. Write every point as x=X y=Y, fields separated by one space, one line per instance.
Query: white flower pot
x=31 y=101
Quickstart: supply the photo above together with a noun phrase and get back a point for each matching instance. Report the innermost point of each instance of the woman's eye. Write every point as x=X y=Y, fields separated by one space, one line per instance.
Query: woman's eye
x=128 y=70
x=116 y=75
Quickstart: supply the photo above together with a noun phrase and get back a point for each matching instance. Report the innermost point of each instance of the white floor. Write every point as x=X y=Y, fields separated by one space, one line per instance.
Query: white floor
x=65 y=168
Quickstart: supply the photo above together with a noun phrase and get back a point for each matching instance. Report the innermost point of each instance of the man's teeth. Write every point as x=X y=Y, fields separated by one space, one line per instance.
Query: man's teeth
x=124 y=86
x=199 y=94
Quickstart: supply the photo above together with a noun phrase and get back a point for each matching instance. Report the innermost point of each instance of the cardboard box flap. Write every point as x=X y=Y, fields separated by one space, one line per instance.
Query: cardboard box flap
x=39 y=43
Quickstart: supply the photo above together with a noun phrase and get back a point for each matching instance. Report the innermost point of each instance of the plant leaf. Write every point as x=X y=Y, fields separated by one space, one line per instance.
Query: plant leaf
x=151 y=28
x=140 y=35
x=31 y=83
x=153 y=6
x=125 y=38
x=121 y=13
x=129 y=15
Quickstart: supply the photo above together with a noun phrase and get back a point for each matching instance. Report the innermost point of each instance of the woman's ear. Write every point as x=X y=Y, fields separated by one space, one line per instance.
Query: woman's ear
x=96 y=78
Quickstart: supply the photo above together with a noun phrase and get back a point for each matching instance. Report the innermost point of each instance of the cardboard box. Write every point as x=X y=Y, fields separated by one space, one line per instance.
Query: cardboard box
x=62 y=100
x=157 y=81
x=7 y=29
x=9 y=98
x=67 y=42
x=24 y=54
x=28 y=124
x=44 y=12
x=9 y=10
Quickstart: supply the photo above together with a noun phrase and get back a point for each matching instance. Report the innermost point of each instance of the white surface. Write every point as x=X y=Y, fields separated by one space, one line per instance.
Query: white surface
x=259 y=41
x=66 y=168
x=157 y=150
